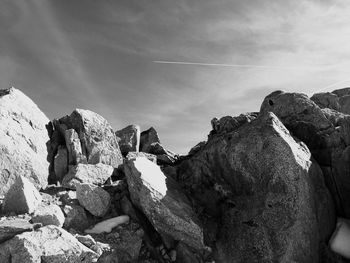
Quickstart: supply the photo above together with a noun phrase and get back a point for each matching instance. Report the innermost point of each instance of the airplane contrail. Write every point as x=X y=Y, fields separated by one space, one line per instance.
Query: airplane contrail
x=332 y=85
x=236 y=65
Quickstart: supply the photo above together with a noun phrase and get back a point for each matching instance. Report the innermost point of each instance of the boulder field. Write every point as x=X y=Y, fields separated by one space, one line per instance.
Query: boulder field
x=267 y=186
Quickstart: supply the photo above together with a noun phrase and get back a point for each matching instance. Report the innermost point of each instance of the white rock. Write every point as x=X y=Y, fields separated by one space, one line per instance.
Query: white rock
x=340 y=240
x=106 y=226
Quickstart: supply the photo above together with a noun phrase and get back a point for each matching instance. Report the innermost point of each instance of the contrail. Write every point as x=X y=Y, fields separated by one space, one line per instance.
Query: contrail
x=236 y=65
x=332 y=85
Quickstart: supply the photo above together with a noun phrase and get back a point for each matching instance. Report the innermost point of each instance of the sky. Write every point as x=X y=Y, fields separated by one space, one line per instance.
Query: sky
x=100 y=55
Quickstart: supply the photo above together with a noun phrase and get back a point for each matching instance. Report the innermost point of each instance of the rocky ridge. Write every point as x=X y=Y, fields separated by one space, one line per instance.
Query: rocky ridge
x=267 y=186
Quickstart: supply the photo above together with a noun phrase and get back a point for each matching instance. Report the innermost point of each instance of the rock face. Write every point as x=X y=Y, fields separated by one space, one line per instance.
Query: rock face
x=87 y=173
x=147 y=138
x=93 y=198
x=47 y=244
x=326 y=133
x=269 y=196
x=23 y=138
x=73 y=145
x=162 y=202
x=129 y=139
x=22 y=197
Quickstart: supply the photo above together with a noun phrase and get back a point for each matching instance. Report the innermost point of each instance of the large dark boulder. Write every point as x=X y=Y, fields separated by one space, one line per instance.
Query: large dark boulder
x=325 y=132
x=265 y=196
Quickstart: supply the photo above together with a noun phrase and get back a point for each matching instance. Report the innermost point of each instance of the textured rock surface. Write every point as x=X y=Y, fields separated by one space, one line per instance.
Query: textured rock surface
x=162 y=202
x=268 y=196
x=47 y=244
x=326 y=134
x=129 y=139
x=61 y=163
x=9 y=227
x=49 y=215
x=75 y=217
x=93 y=198
x=99 y=142
x=23 y=138
x=73 y=145
x=87 y=173
x=147 y=138
x=22 y=197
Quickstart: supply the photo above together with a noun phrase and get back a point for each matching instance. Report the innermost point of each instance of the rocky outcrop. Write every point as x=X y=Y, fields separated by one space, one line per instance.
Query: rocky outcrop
x=338 y=100
x=87 y=173
x=129 y=139
x=162 y=202
x=47 y=244
x=22 y=197
x=93 y=198
x=23 y=139
x=264 y=189
x=325 y=132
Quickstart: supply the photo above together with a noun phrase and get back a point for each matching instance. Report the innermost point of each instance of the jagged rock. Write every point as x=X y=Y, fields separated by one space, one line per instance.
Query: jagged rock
x=228 y=123
x=129 y=139
x=98 y=140
x=61 y=163
x=196 y=148
x=164 y=156
x=93 y=198
x=162 y=201
x=23 y=138
x=22 y=197
x=49 y=215
x=9 y=227
x=73 y=145
x=151 y=157
x=87 y=173
x=325 y=132
x=147 y=138
x=47 y=244
x=75 y=217
x=265 y=195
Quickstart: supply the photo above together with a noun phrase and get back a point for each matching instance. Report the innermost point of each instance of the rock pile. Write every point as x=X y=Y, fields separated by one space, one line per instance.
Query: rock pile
x=265 y=186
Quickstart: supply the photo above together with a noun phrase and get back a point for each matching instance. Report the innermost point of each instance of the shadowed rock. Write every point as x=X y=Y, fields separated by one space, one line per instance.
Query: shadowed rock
x=129 y=139
x=267 y=197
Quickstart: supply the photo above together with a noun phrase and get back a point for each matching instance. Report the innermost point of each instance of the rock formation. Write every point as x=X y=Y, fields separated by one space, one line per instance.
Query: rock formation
x=265 y=186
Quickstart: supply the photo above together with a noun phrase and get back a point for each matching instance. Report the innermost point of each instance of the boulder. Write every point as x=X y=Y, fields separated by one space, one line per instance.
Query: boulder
x=265 y=195
x=129 y=139
x=147 y=138
x=75 y=217
x=22 y=197
x=94 y=199
x=47 y=244
x=73 y=145
x=98 y=140
x=162 y=201
x=48 y=215
x=87 y=173
x=325 y=132
x=23 y=139
x=9 y=227
x=61 y=163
